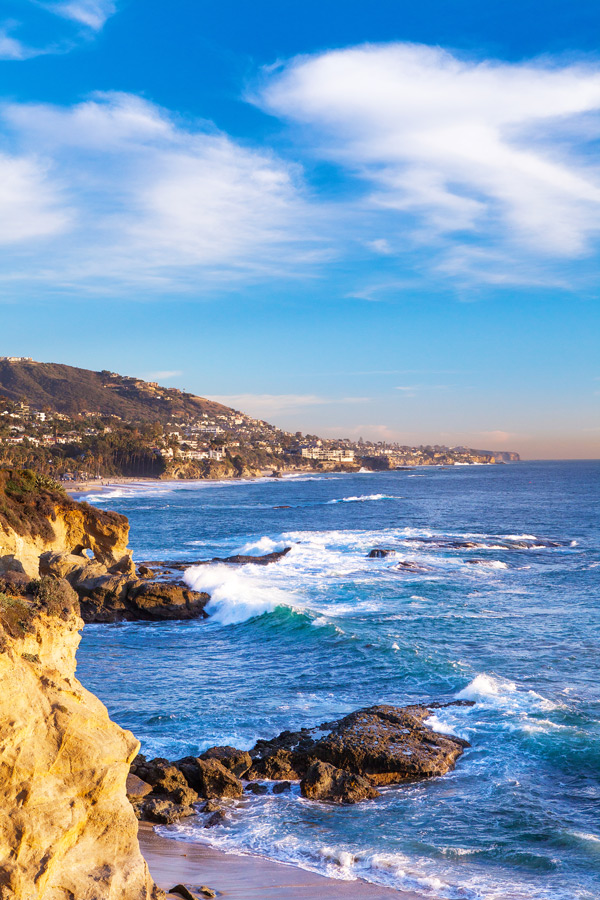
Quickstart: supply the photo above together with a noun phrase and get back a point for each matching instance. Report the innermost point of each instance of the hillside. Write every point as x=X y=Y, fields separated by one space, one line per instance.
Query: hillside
x=72 y=391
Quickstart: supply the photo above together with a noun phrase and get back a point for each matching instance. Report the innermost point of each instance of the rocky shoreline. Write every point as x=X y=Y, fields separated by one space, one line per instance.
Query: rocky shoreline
x=343 y=761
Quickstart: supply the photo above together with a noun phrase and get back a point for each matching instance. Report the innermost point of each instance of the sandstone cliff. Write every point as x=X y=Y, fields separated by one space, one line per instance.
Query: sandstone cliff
x=67 y=830
x=37 y=516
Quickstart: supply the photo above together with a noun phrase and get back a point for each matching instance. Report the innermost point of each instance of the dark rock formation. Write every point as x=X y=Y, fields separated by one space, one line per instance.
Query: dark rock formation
x=255 y=788
x=324 y=782
x=408 y=565
x=109 y=595
x=390 y=744
x=209 y=777
x=241 y=560
x=380 y=553
x=385 y=744
x=237 y=761
x=160 y=792
x=280 y=764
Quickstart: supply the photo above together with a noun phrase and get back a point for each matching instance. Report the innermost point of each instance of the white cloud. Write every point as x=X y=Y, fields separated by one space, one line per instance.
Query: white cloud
x=154 y=202
x=90 y=13
x=30 y=206
x=503 y=151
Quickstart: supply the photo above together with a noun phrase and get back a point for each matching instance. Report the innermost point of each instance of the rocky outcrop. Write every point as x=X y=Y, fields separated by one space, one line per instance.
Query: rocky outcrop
x=242 y=560
x=338 y=762
x=67 y=829
x=36 y=516
x=109 y=595
x=383 y=744
x=388 y=744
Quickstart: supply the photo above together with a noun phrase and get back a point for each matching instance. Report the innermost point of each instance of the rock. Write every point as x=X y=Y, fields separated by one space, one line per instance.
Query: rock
x=114 y=594
x=241 y=560
x=217 y=818
x=209 y=778
x=163 y=811
x=182 y=891
x=281 y=787
x=324 y=782
x=237 y=761
x=389 y=744
x=255 y=788
x=159 y=600
x=379 y=553
x=136 y=788
x=67 y=828
x=210 y=806
x=145 y=572
x=167 y=781
x=278 y=765
x=408 y=565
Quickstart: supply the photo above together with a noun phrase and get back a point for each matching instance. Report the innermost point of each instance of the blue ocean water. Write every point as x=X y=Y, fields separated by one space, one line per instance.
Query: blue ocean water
x=505 y=610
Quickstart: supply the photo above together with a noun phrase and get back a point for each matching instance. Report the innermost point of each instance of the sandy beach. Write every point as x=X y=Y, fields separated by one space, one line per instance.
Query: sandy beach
x=247 y=877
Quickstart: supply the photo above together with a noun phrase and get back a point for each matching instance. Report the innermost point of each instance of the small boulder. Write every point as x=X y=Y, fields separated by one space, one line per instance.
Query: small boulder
x=281 y=787
x=379 y=553
x=324 y=782
x=217 y=818
x=210 y=778
x=163 y=811
x=136 y=788
x=255 y=788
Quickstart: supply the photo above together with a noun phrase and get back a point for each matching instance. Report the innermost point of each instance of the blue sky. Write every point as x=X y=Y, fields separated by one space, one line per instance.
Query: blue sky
x=359 y=219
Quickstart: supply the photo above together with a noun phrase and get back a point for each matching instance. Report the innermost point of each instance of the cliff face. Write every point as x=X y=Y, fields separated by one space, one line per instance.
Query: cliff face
x=35 y=518
x=67 y=830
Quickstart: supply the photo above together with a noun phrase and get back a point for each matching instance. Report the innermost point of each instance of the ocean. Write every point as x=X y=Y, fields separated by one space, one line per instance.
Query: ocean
x=502 y=607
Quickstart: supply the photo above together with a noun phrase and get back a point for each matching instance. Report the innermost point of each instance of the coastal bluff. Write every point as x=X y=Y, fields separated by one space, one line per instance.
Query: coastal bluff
x=45 y=533
x=37 y=516
x=67 y=829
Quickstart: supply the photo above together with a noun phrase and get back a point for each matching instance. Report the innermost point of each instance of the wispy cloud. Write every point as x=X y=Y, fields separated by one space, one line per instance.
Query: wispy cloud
x=11 y=47
x=91 y=13
x=147 y=200
x=266 y=404
x=501 y=152
x=163 y=375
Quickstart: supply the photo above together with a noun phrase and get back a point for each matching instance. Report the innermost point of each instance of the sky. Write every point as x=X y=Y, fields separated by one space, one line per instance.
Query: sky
x=376 y=220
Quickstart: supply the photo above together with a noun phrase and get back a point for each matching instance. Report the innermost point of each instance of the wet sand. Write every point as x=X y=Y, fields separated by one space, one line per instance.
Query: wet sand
x=247 y=877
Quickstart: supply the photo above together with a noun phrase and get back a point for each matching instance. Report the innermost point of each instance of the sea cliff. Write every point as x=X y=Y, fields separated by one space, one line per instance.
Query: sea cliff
x=67 y=829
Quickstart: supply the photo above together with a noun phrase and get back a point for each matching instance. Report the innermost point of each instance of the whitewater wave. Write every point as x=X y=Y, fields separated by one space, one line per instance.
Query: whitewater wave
x=364 y=498
x=237 y=595
x=502 y=694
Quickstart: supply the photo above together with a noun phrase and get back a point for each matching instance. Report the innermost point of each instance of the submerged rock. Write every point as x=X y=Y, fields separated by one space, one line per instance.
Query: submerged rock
x=380 y=553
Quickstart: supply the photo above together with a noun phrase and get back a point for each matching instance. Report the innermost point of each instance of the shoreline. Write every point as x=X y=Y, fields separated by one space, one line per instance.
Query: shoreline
x=103 y=484
x=247 y=877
